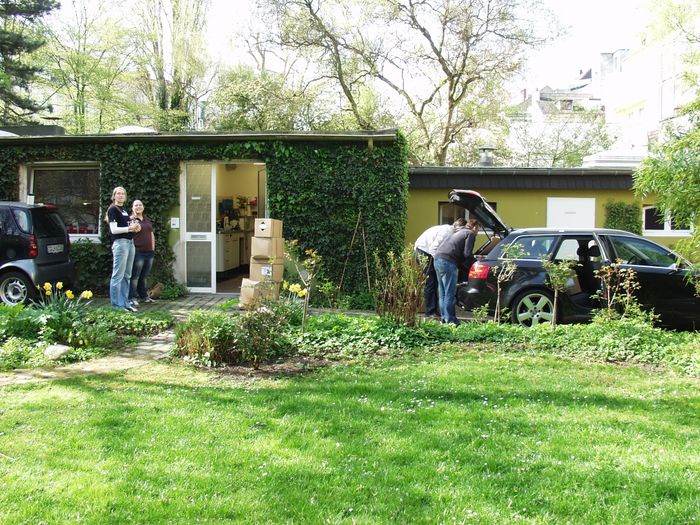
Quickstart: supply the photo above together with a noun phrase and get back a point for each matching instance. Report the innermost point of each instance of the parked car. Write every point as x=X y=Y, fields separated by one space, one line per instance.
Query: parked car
x=661 y=273
x=34 y=249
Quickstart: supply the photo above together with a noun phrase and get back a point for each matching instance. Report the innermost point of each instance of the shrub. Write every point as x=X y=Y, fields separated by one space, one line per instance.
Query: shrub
x=93 y=265
x=60 y=313
x=17 y=321
x=623 y=216
x=18 y=353
x=398 y=287
x=213 y=338
x=124 y=323
x=173 y=290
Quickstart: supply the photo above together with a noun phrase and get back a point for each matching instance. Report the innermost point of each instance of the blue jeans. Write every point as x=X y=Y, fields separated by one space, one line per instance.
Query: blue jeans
x=143 y=261
x=447 y=288
x=123 y=260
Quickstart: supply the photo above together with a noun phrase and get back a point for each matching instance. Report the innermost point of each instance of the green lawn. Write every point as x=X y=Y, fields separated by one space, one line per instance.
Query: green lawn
x=455 y=436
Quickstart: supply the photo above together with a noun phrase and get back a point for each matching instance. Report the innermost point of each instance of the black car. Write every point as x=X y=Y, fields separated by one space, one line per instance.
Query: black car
x=34 y=249
x=661 y=273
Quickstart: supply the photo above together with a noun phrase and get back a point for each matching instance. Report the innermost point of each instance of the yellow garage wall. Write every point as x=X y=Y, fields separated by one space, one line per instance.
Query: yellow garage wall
x=517 y=208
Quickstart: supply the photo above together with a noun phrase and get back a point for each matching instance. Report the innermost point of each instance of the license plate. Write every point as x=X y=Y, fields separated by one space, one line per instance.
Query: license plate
x=54 y=248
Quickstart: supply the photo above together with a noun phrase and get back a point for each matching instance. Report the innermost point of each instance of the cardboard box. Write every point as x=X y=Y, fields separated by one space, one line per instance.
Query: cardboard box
x=268 y=228
x=573 y=286
x=252 y=291
x=267 y=249
x=262 y=271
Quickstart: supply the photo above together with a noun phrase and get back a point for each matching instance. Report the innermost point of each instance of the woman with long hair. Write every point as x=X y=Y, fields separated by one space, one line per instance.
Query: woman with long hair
x=122 y=231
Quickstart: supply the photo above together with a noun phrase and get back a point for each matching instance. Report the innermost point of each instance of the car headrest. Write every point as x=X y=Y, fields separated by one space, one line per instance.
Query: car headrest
x=582 y=251
x=594 y=251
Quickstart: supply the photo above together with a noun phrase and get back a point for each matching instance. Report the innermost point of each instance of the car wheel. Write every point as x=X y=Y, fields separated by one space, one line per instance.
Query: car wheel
x=15 y=288
x=533 y=307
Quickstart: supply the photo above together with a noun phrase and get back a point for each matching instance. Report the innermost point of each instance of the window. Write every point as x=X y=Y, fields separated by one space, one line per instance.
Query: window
x=656 y=224
x=535 y=246
x=631 y=250
x=449 y=213
x=74 y=190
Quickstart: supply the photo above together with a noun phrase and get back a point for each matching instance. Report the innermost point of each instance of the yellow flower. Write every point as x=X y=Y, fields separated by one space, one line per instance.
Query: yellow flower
x=302 y=292
x=59 y=285
x=47 y=287
x=48 y=293
x=295 y=288
x=87 y=294
x=69 y=294
x=285 y=285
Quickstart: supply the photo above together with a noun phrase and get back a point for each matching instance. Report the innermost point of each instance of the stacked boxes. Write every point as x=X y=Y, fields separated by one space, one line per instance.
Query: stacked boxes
x=266 y=262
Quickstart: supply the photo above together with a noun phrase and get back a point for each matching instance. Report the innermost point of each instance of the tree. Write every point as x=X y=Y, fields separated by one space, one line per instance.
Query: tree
x=172 y=61
x=87 y=61
x=672 y=172
x=437 y=57
x=560 y=142
x=18 y=38
x=247 y=100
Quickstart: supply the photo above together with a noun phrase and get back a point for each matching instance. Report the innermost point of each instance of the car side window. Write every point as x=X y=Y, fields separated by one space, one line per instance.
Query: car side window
x=23 y=222
x=567 y=250
x=642 y=252
x=535 y=246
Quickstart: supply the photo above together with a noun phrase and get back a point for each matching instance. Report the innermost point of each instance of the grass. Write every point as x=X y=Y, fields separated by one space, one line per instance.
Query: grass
x=456 y=436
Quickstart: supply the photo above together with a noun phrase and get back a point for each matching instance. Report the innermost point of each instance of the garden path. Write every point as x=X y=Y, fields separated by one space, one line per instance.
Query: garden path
x=149 y=349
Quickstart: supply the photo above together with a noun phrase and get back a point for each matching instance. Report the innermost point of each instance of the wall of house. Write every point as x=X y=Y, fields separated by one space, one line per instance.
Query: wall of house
x=517 y=208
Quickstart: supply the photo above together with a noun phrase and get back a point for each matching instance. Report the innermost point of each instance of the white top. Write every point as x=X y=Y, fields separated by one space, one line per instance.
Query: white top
x=430 y=239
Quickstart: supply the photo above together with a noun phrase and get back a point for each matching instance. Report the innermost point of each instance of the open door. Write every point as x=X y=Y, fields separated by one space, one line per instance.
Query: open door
x=199 y=231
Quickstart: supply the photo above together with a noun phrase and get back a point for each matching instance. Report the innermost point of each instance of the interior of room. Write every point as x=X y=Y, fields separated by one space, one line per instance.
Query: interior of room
x=240 y=198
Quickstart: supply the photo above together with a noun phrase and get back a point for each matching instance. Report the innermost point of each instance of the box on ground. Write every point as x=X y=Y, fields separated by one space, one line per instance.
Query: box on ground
x=266 y=249
x=268 y=228
x=252 y=291
x=260 y=271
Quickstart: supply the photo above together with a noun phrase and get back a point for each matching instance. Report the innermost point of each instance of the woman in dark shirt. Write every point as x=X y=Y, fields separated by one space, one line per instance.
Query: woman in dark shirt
x=145 y=244
x=122 y=231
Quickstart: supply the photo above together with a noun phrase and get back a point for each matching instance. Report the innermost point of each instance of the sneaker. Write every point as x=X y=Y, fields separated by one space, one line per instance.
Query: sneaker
x=133 y=302
x=148 y=300
x=130 y=308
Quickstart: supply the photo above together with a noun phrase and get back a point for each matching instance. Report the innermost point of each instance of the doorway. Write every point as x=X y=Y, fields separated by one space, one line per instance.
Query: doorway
x=219 y=203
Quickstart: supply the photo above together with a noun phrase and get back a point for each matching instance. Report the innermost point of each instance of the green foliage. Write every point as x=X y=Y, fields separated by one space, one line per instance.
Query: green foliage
x=304 y=180
x=621 y=215
x=173 y=290
x=60 y=314
x=16 y=352
x=398 y=287
x=504 y=272
x=125 y=323
x=559 y=275
x=93 y=265
x=212 y=338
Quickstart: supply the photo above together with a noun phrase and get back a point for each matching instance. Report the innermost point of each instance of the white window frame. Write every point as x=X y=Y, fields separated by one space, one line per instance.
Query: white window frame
x=668 y=230
x=27 y=177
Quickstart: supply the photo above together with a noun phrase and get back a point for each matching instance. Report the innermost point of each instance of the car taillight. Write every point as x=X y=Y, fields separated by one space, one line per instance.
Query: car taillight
x=479 y=270
x=33 y=248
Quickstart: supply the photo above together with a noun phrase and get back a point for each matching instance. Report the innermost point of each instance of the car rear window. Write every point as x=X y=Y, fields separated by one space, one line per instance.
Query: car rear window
x=43 y=222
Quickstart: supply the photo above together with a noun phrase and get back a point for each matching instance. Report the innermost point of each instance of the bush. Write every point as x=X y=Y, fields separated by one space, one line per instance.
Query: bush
x=17 y=321
x=213 y=338
x=93 y=265
x=623 y=216
x=19 y=353
x=398 y=287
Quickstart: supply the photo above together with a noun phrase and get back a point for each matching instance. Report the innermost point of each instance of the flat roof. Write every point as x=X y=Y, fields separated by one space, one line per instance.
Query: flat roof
x=386 y=135
x=440 y=177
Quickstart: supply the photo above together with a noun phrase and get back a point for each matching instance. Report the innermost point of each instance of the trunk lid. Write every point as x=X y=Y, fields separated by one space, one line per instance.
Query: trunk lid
x=480 y=210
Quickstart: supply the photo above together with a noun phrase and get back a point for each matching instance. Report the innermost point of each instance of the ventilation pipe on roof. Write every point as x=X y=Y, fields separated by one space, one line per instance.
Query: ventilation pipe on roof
x=486 y=156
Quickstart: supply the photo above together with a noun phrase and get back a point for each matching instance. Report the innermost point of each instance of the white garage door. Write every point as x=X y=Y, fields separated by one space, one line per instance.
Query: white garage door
x=570 y=213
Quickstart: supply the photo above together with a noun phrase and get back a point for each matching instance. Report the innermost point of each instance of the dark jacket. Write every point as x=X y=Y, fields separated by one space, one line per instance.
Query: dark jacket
x=458 y=247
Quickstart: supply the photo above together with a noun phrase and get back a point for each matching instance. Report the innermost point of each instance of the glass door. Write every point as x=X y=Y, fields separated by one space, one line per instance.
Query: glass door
x=199 y=233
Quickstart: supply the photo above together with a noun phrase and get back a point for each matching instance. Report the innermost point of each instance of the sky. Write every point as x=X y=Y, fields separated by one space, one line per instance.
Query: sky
x=593 y=27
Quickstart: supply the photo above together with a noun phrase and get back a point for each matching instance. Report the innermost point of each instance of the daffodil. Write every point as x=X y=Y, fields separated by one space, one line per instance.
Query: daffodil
x=59 y=285
x=285 y=285
x=48 y=293
x=69 y=293
x=302 y=292
x=86 y=294
x=295 y=288
x=47 y=287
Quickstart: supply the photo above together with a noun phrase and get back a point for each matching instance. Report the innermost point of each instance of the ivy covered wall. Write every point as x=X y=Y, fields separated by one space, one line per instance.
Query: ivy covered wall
x=316 y=187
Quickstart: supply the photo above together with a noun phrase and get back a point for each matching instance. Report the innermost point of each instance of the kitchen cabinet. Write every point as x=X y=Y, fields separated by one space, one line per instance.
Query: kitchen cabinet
x=228 y=251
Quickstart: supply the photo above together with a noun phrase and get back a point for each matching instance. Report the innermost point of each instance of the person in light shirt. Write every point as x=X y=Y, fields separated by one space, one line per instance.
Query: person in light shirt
x=425 y=246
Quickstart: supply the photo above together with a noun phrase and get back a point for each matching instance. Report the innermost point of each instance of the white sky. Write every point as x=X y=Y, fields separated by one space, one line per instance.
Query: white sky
x=593 y=27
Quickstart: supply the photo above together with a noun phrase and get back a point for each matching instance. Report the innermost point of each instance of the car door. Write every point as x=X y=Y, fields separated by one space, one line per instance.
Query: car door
x=663 y=282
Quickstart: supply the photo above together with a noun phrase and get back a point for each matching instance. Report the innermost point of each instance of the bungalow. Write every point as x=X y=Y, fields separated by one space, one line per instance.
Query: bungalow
x=204 y=190
x=524 y=197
